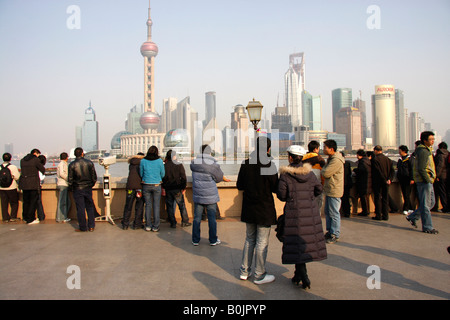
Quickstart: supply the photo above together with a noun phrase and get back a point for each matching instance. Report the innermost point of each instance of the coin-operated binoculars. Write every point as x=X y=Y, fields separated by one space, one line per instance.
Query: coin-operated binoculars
x=107 y=162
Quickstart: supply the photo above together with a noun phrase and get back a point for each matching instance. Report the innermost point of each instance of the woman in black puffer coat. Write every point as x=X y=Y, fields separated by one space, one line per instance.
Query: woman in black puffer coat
x=304 y=240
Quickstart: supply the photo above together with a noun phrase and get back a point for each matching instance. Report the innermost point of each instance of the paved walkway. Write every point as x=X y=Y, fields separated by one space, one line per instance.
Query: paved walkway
x=134 y=264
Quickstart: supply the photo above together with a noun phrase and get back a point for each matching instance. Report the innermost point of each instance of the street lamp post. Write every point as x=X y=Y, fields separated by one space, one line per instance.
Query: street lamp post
x=254 y=110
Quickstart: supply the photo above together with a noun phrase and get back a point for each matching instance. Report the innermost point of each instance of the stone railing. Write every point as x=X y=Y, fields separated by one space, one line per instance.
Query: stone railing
x=230 y=200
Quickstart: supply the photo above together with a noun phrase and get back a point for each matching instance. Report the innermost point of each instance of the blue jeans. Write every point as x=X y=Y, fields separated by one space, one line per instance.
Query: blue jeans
x=63 y=204
x=332 y=215
x=152 y=198
x=174 y=197
x=257 y=243
x=212 y=224
x=426 y=202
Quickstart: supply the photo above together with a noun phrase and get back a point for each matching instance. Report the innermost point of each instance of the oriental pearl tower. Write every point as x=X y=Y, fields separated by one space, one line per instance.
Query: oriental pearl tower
x=150 y=119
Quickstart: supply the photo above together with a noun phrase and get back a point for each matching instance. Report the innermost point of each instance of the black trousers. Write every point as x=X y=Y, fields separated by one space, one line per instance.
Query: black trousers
x=440 y=190
x=300 y=271
x=30 y=200
x=406 y=192
x=9 y=197
x=381 y=199
x=138 y=209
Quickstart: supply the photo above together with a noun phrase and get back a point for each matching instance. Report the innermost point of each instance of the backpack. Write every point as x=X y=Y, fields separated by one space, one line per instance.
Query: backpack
x=6 y=178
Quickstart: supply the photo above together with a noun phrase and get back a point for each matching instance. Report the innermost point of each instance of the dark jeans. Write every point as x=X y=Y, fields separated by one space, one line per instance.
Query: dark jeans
x=84 y=203
x=440 y=192
x=30 y=200
x=381 y=199
x=173 y=198
x=9 y=197
x=212 y=224
x=345 y=202
x=138 y=209
x=406 y=192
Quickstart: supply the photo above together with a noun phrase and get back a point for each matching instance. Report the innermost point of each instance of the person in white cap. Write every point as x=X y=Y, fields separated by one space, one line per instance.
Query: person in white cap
x=303 y=238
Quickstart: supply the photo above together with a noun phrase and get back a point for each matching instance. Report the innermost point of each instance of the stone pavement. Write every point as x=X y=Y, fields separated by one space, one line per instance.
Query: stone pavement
x=134 y=264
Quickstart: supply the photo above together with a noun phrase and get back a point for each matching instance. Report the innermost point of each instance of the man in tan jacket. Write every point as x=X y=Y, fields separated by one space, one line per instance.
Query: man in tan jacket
x=333 y=188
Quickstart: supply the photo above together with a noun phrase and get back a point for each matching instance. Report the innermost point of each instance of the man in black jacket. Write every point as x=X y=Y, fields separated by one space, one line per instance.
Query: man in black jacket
x=258 y=178
x=382 y=175
x=440 y=184
x=82 y=177
x=174 y=183
x=405 y=178
x=29 y=183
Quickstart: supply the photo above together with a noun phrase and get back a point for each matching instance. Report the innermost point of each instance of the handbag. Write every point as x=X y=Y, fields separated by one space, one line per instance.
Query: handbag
x=280 y=227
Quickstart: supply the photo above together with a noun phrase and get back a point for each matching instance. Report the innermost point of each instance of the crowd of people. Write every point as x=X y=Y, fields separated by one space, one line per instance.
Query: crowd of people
x=306 y=185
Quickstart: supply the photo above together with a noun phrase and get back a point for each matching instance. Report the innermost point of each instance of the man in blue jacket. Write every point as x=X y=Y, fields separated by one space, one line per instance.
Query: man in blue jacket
x=206 y=173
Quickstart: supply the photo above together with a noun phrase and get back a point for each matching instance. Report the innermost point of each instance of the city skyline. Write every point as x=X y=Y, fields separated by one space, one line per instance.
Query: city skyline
x=236 y=49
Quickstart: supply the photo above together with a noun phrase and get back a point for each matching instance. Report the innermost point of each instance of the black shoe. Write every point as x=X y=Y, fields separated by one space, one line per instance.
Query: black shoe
x=363 y=214
x=186 y=224
x=306 y=283
x=413 y=222
x=432 y=231
x=296 y=280
x=376 y=218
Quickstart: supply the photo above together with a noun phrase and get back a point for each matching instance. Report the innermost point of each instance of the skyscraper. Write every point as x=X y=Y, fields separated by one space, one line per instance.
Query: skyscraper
x=341 y=98
x=383 y=117
x=168 y=118
x=400 y=120
x=361 y=106
x=210 y=107
x=348 y=122
x=312 y=111
x=414 y=129
x=294 y=83
x=132 y=123
x=239 y=125
x=89 y=138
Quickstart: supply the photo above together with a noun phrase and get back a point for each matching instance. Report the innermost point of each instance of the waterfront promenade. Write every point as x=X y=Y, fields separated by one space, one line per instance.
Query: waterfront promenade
x=134 y=264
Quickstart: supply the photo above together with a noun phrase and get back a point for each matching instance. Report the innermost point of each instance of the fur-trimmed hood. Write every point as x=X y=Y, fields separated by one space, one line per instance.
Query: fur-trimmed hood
x=297 y=171
x=134 y=159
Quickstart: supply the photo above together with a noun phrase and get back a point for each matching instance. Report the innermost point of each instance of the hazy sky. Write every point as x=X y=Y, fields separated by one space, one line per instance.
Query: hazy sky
x=238 y=48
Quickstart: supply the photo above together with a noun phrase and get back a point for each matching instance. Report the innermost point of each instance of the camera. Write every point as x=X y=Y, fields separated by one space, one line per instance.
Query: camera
x=107 y=161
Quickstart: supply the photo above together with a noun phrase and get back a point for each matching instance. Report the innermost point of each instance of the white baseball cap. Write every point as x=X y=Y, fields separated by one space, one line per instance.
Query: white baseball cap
x=297 y=150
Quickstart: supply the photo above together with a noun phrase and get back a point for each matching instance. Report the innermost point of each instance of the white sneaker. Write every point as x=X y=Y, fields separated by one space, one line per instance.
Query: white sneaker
x=405 y=213
x=35 y=221
x=244 y=277
x=267 y=278
x=215 y=243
